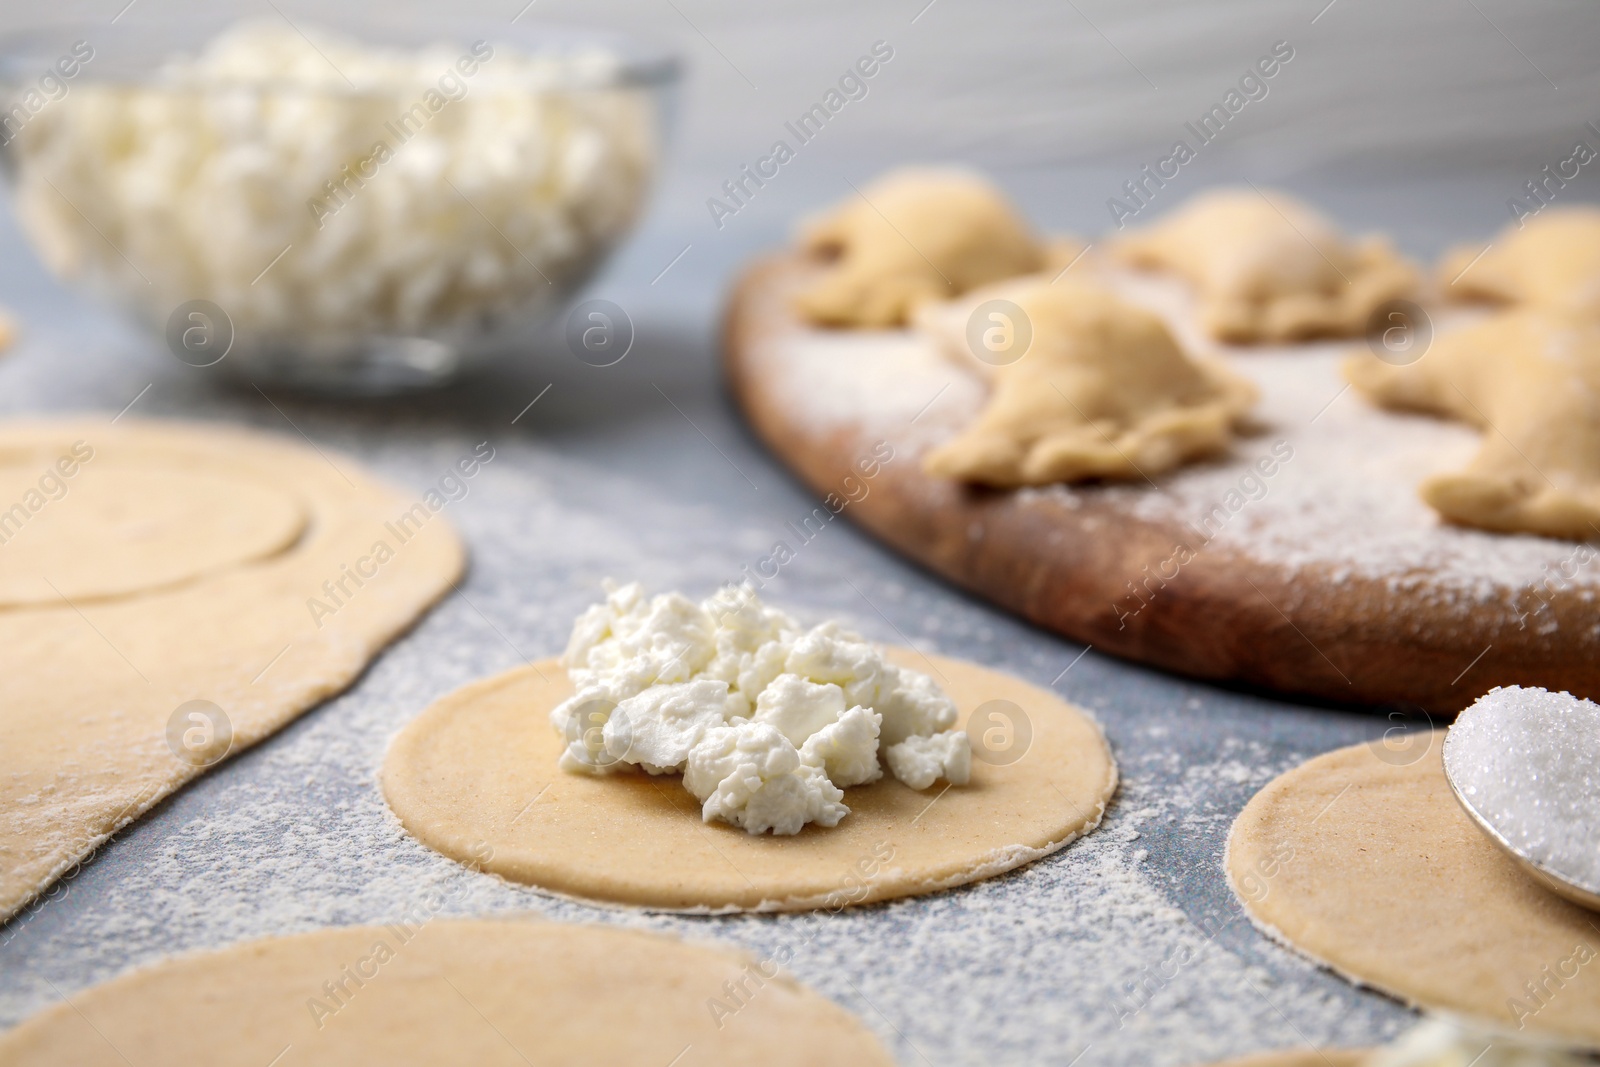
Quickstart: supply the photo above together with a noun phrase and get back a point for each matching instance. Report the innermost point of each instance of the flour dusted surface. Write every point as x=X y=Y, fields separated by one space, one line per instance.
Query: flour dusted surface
x=595 y=479
x=1029 y=967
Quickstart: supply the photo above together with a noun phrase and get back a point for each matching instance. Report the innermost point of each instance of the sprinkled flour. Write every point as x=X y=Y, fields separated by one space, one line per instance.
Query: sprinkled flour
x=1086 y=951
x=1528 y=760
x=1072 y=955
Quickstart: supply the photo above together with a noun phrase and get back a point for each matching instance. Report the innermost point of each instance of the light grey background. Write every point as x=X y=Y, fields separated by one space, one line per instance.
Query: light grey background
x=1377 y=87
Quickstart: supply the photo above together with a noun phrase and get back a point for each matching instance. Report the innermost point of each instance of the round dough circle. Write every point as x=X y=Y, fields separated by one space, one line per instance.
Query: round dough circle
x=1368 y=865
x=122 y=525
x=1302 y=1057
x=489 y=993
x=475 y=777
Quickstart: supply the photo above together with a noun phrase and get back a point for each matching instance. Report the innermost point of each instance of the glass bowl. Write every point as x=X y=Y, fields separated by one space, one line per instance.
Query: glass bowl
x=348 y=211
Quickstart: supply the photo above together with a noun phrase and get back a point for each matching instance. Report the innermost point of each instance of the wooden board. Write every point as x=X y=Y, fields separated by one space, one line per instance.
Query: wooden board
x=1417 y=614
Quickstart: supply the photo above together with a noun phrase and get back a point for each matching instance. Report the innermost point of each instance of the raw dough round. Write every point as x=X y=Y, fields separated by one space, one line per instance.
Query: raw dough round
x=124 y=525
x=1366 y=863
x=1302 y=1057
x=508 y=993
x=475 y=775
x=188 y=556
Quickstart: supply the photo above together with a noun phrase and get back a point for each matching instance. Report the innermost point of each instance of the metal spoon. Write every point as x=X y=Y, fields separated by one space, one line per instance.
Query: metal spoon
x=1558 y=882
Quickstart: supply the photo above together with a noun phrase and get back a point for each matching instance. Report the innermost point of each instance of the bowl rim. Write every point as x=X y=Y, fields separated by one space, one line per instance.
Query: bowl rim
x=26 y=52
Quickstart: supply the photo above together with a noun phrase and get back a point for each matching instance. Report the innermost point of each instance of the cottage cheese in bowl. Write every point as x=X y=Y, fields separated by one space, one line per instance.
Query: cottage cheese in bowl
x=301 y=206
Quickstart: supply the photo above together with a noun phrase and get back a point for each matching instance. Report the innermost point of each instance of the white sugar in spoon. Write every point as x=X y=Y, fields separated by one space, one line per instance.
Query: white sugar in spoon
x=1525 y=764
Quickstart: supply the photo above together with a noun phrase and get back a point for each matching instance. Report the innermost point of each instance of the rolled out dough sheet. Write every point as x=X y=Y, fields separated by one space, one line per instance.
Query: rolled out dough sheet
x=177 y=564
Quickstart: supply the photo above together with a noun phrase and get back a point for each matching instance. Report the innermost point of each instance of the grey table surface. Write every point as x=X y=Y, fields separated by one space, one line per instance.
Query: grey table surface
x=643 y=470
x=1507 y=83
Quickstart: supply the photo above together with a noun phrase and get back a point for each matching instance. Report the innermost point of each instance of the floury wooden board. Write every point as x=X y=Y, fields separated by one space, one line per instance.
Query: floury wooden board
x=1302 y=561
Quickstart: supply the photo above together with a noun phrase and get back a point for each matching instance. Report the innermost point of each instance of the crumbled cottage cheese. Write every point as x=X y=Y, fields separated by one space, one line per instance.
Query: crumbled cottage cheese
x=767 y=721
x=431 y=191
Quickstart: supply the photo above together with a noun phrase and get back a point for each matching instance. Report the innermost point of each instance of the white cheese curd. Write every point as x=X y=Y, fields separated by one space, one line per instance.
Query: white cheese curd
x=848 y=749
x=914 y=707
x=656 y=728
x=629 y=643
x=767 y=721
x=751 y=640
x=750 y=775
x=315 y=186
x=921 y=761
x=797 y=707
